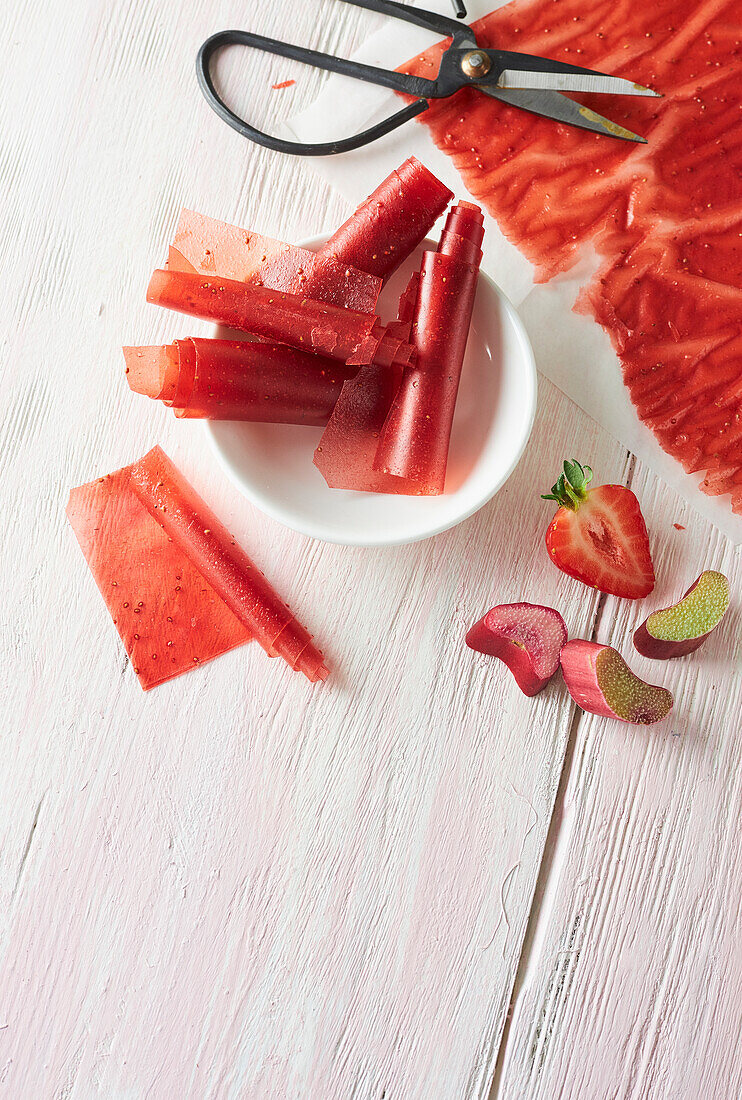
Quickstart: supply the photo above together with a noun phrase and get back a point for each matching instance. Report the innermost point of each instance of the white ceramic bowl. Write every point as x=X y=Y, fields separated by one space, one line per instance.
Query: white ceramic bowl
x=272 y=463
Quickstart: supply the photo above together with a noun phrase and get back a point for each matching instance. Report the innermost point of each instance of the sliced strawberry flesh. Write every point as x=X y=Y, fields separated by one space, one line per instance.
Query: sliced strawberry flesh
x=604 y=542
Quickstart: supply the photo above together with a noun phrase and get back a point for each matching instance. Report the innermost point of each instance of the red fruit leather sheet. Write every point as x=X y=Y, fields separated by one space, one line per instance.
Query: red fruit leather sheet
x=240 y=380
x=665 y=218
x=169 y=618
x=417 y=431
x=178 y=587
x=392 y=221
x=346 y=451
x=212 y=247
x=312 y=326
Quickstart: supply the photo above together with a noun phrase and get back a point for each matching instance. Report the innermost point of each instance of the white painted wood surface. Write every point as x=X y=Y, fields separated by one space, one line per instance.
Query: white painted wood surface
x=240 y=886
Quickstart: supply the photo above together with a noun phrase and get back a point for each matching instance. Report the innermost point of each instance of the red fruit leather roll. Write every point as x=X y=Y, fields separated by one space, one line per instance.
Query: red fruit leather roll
x=186 y=352
x=205 y=541
x=268 y=383
x=415 y=439
x=348 y=446
x=238 y=380
x=179 y=588
x=463 y=234
x=213 y=247
x=392 y=221
x=304 y=323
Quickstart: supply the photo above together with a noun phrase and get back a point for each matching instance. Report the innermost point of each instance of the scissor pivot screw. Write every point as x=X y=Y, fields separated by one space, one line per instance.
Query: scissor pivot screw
x=475 y=63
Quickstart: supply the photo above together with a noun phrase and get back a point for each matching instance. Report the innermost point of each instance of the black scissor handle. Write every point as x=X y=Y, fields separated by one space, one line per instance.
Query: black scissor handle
x=430 y=20
x=410 y=85
x=400 y=82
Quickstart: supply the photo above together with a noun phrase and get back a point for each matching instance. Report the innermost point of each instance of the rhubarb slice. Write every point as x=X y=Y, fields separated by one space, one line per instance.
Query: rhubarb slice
x=417 y=432
x=392 y=221
x=680 y=629
x=212 y=247
x=303 y=323
x=527 y=637
x=179 y=588
x=240 y=380
x=600 y=681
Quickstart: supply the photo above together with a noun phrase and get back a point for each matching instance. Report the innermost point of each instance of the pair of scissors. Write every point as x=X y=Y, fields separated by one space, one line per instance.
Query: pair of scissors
x=534 y=84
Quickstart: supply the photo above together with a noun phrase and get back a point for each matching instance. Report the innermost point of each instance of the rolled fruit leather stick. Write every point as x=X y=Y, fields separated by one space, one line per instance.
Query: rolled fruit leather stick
x=415 y=440
x=392 y=221
x=204 y=539
x=320 y=327
x=239 y=380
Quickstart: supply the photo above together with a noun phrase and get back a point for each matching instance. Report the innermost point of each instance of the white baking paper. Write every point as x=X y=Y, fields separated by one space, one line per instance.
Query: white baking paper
x=571 y=350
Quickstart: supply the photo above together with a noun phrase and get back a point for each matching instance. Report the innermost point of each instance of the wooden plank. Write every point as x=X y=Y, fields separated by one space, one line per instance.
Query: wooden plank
x=238 y=886
x=633 y=984
x=235 y=885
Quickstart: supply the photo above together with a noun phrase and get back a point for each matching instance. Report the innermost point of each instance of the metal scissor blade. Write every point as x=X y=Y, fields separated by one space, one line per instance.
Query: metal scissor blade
x=556 y=106
x=570 y=82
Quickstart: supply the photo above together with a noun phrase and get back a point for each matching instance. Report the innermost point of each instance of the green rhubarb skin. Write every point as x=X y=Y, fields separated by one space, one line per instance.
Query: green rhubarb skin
x=696 y=614
x=628 y=696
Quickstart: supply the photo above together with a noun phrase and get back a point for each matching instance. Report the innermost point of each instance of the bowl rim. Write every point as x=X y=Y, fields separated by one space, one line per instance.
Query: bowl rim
x=266 y=504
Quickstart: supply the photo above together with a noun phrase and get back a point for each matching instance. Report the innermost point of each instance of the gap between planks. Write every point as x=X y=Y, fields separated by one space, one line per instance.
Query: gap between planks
x=557 y=838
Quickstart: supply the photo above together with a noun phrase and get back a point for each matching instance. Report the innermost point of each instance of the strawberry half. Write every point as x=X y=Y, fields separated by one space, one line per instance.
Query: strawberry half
x=599 y=535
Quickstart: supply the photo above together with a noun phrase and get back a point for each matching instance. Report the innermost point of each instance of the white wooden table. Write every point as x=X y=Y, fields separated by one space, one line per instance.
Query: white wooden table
x=411 y=882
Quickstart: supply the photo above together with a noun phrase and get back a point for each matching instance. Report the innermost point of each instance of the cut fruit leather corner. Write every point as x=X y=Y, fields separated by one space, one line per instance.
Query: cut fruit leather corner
x=164 y=373
x=416 y=435
x=213 y=247
x=665 y=218
x=347 y=335
x=179 y=588
x=239 y=380
x=153 y=371
x=388 y=225
x=176 y=261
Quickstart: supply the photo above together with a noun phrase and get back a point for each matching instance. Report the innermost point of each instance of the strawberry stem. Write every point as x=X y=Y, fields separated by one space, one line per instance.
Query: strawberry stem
x=571 y=488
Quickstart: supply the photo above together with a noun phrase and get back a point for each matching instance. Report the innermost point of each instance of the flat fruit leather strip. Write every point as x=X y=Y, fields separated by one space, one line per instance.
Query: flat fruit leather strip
x=346 y=451
x=343 y=334
x=237 y=380
x=392 y=221
x=168 y=616
x=416 y=435
x=176 y=261
x=213 y=247
x=664 y=218
x=196 y=544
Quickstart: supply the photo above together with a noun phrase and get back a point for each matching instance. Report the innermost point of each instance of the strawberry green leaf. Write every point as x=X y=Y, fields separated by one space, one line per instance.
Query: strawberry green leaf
x=571 y=487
